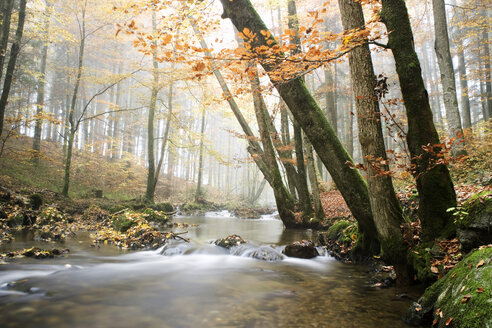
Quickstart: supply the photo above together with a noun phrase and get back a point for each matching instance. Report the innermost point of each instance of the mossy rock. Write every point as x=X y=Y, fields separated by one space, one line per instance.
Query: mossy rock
x=36 y=201
x=155 y=216
x=343 y=232
x=474 y=221
x=420 y=260
x=230 y=241
x=122 y=224
x=462 y=298
x=163 y=207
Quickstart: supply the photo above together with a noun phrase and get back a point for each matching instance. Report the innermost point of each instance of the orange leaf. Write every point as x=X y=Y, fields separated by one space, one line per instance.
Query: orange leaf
x=465 y=298
x=449 y=321
x=480 y=290
x=482 y=262
x=434 y=269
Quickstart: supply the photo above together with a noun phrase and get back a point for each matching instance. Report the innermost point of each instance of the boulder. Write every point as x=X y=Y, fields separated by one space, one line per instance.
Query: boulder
x=475 y=227
x=230 y=241
x=459 y=299
x=303 y=249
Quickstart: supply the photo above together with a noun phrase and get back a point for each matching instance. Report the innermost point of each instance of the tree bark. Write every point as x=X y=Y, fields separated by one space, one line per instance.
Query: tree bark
x=150 y=191
x=447 y=76
x=385 y=206
x=36 y=146
x=285 y=202
x=319 y=213
x=199 y=192
x=314 y=123
x=7 y=8
x=14 y=52
x=303 y=190
x=436 y=190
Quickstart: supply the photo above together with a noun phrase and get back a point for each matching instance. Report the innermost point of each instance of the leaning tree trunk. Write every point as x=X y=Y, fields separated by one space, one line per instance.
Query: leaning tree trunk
x=385 y=206
x=285 y=202
x=303 y=190
x=14 y=52
x=447 y=76
x=436 y=191
x=311 y=118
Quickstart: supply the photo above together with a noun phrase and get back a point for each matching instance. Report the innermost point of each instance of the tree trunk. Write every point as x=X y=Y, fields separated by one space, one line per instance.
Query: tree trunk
x=6 y=8
x=149 y=193
x=436 y=190
x=385 y=206
x=254 y=198
x=166 y=132
x=487 y=72
x=199 y=192
x=285 y=202
x=36 y=146
x=303 y=191
x=447 y=76
x=314 y=123
x=14 y=52
x=319 y=213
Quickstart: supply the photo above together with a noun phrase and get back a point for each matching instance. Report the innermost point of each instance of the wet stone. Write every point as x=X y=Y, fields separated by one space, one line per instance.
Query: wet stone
x=303 y=249
x=230 y=241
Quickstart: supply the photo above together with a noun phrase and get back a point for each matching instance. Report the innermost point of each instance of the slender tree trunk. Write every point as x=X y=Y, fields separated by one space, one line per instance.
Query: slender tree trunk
x=149 y=194
x=14 y=52
x=285 y=202
x=166 y=132
x=302 y=190
x=319 y=213
x=6 y=14
x=385 y=206
x=314 y=123
x=436 y=191
x=254 y=198
x=36 y=146
x=447 y=76
x=71 y=113
x=199 y=192
x=460 y=50
x=488 y=75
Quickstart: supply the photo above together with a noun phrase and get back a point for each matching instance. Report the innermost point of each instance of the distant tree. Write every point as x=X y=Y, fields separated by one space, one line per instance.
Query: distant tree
x=448 y=81
x=14 y=52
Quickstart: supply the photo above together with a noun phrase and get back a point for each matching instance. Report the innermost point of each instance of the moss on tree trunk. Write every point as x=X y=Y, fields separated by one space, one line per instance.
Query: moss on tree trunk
x=312 y=120
x=436 y=191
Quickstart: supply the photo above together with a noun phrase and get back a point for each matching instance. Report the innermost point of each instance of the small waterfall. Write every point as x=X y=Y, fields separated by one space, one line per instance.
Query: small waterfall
x=219 y=214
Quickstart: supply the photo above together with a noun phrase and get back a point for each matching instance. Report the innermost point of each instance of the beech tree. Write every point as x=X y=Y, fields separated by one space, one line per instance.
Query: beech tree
x=14 y=52
x=448 y=81
x=385 y=206
x=312 y=120
x=434 y=184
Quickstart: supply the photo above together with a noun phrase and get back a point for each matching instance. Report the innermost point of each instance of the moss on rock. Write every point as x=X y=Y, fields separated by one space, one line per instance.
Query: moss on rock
x=462 y=298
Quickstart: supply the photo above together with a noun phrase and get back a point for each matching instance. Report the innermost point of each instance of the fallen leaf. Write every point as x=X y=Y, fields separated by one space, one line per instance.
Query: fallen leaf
x=482 y=262
x=434 y=322
x=465 y=298
x=462 y=289
x=449 y=321
x=480 y=290
x=454 y=274
x=434 y=269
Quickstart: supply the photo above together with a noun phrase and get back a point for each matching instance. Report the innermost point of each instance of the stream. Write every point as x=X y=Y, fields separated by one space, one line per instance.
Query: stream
x=193 y=285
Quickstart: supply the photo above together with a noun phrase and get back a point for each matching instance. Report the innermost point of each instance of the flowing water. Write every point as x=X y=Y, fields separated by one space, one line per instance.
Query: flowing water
x=193 y=285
